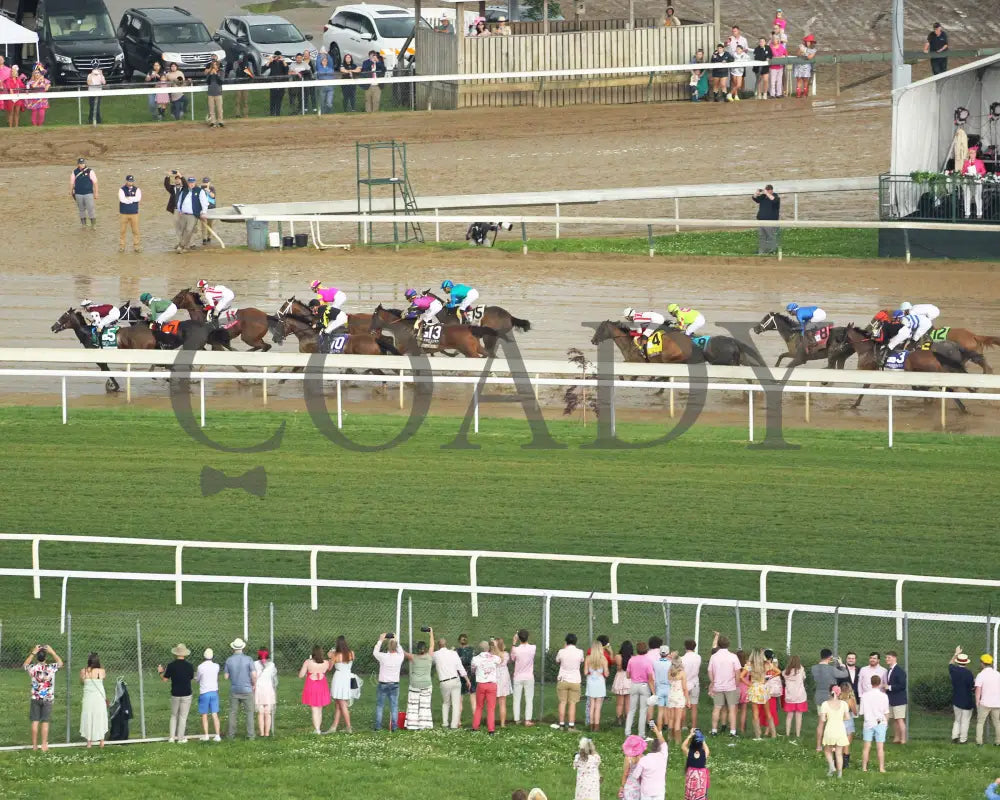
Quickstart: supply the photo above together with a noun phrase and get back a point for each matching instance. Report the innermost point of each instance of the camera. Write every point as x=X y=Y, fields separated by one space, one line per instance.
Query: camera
x=390 y=636
x=425 y=629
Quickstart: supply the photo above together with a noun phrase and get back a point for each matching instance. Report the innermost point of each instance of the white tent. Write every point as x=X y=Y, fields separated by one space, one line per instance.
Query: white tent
x=12 y=33
x=923 y=114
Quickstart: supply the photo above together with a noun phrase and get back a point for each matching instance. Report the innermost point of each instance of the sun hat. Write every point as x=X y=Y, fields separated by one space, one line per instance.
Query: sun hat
x=664 y=650
x=262 y=654
x=537 y=794
x=634 y=745
x=237 y=644
x=181 y=651
x=808 y=38
x=986 y=658
x=962 y=659
x=209 y=654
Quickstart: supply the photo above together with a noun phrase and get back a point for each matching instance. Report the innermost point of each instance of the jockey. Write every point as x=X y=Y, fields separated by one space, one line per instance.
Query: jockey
x=101 y=314
x=808 y=316
x=926 y=312
x=218 y=298
x=460 y=297
x=908 y=326
x=688 y=319
x=644 y=323
x=424 y=307
x=333 y=300
x=160 y=310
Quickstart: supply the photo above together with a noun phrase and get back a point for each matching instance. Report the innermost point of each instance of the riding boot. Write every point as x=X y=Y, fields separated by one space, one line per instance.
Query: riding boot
x=847 y=760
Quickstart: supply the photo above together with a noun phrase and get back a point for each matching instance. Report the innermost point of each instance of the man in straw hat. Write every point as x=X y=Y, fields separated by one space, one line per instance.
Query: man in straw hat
x=963 y=695
x=240 y=674
x=987 y=699
x=179 y=673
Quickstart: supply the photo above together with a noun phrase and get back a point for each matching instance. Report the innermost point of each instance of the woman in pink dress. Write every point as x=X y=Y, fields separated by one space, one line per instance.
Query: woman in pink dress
x=38 y=107
x=14 y=84
x=315 y=690
x=504 y=686
x=776 y=79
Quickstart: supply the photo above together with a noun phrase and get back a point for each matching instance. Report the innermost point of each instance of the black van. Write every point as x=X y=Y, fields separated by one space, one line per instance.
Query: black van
x=74 y=36
x=168 y=35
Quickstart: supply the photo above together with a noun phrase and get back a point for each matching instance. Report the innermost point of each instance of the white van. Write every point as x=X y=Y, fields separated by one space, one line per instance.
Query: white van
x=356 y=29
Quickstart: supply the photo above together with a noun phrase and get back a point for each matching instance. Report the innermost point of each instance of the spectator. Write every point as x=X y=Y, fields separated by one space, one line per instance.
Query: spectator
x=737 y=73
x=963 y=695
x=720 y=77
x=239 y=672
x=823 y=674
x=94 y=709
x=4 y=73
x=756 y=672
x=315 y=692
x=633 y=748
x=349 y=71
x=265 y=691
x=242 y=70
x=214 y=77
x=768 y=208
x=762 y=52
x=83 y=189
x=204 y=223
x=276 y=68
x=734 y=40
x=774 y=689
x=481 y=29
x=569 y=659
x=803 y=72
x=175 y=78
x=154 y=76
x=866 y=673
x=519 y=794
x=503 y=29
x=875 y=712
x=310 y=88
x=486 y=665
x=38 y=106
x=974 y=171
x=95 y=80
x=587 y=764
x=692 y=674
x=465 y=653
x=796 y=702
x=652 y=768
x=299 y=70
x=207 y=676
x=342 y=660
x=191 y=205
x=373 y=67
x=661 y=683
x=523 y=655
x=173 y=182
x=418 y=696
x=937 y=43
x=833 y=714
x=853 y=673
x=699 y=77
x=696 y=775
x=620 y=685
x=451 y=676
x=389 y=664
x=779 y=31
x=895 y=688
x=653 y=654
x=779 y=21
x=641 y=686
x=326 y=71
x=504 y=687
x=777 y=77
x=179 y=673
x=723 y=672
x=43 y=688
x=537 y=794
x=987 y=699
x=847 y=696
x=596 y=666
x=678 y=699
x=670 y=20
x=129 y=197
x=744 y=686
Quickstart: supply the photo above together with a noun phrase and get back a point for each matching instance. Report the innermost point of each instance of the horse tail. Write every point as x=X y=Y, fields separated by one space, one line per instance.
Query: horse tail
x=986 y=341
x=386 y=345
x=951 y=364
x=277 y=328
x=977 y=359
x=748 y=355
x=520 y=324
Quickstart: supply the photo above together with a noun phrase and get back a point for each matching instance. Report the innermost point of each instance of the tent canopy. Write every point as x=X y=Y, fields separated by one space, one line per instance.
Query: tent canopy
x=923 y=114
x=12 y=33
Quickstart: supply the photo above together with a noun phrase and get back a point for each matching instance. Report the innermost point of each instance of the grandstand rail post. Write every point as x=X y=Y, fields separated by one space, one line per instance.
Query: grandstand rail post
x=649 y=236
x=314 y=577
x=836 y=75
x=409 y=622
x=677 y=215
x=270 y=628
x=401 y=396
x=340 y=407
x=1 y=638
x=996 y=631
x=128 y=383
x=836 y=628
x=906 y=663
x=739 y=627
x=246 y=610
x=524 y=239
x=557 y=220
x=545 y=650
x=179 y=575
x=437 y=225
x=807 y=401
x=890 y=420
x=473 y=585
x=697 y=624
x=899 y=609
x=201 y=393
x=475 y=408
x=944 y=406
x=399 y=611
x=62 y=606
x=666 y=621
x=750 y=415
x=69 y=671
x=590 y=618
x=79 y=110
x=670 y=380
x=264 y=386
x=763 y=599
x=614 y=591
x=142 y=688
x=989 y=618
x=795 y=206
x=788 y=632
x=36 y=578
x=64 y=400
x=906 y=243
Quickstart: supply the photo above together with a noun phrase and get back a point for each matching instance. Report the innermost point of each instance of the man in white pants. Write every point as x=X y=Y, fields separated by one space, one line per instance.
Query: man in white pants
x=101 y=314
x=925 y=312
x=218 y=298
x=645 y=323
x=908 y=325
x=450 y=674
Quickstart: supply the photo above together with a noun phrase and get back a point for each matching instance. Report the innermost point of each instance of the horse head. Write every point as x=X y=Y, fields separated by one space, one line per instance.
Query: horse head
x=768 y=323
x=184 y=299
x=609 y=329
x=66 y=321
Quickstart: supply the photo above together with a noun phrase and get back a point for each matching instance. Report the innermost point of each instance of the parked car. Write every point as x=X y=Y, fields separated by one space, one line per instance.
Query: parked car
x=521 y=14
x=356 y=29
x=259 y=35
x=167 y=35
x=74 y=36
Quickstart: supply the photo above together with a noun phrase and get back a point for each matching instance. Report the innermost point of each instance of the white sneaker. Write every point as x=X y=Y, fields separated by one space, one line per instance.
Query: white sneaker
x=555 y=726
x=216 y=738
x=171 y=740
x=182 y=741
x=204 y=738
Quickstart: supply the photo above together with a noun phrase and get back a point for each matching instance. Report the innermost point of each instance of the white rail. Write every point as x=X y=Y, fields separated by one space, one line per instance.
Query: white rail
x=473 y=589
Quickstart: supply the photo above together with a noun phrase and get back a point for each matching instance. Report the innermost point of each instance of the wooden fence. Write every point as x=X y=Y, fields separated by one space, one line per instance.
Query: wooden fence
x=442 y=54
x=525 y=27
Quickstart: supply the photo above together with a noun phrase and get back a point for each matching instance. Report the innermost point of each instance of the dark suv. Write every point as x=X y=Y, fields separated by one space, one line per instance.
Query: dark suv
x=167 y=35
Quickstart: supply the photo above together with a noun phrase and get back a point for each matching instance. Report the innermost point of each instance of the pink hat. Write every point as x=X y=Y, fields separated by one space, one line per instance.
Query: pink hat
x=634 y=745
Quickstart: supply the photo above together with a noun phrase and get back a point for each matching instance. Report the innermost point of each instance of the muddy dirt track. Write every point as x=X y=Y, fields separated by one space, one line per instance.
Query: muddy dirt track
x=51 y=264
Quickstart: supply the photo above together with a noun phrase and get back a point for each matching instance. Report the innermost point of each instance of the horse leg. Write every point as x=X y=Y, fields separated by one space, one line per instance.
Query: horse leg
x=857 y=402
x=781 y=358
x=110 y=385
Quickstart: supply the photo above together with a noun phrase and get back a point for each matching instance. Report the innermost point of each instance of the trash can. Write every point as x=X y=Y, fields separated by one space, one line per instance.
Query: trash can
x=256 y=234
x=301 y=239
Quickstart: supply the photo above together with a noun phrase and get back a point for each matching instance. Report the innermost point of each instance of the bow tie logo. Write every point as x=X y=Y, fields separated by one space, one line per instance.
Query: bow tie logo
x=253 y=482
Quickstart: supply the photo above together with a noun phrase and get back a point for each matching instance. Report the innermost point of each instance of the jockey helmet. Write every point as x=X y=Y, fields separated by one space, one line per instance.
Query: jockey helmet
x=202 y=283
x=447 y=285
x=409 y=294
x=882 y=316
x=314 y=285
x=86 y=303
x=145 y=297
x=898 y=314
x=791 y=308
x=905 y=306
x=673 y=308
x=629 y=312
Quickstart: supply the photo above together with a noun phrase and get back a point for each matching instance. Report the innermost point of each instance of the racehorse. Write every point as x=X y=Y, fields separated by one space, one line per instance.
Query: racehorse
x=789 y=330
x=361 y=344
x=251 y=324
x=132 y=338
x=463 y=338
x=916 y=360
x=678 y=348
x=882 y=332
x=356 y=323
x=499 y=319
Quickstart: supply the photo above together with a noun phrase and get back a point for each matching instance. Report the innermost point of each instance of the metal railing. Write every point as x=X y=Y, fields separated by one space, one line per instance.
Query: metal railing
x=939 y=198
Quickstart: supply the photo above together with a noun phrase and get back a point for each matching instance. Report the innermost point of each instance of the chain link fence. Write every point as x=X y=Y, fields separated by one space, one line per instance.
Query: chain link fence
x=132 y=645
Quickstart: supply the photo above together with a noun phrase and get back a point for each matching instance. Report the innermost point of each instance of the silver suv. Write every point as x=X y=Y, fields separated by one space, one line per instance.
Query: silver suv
x=258 y=36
